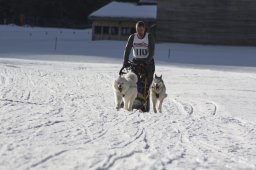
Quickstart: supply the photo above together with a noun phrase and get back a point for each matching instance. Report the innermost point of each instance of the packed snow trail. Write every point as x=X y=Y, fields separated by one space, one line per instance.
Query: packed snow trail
x=57 y=115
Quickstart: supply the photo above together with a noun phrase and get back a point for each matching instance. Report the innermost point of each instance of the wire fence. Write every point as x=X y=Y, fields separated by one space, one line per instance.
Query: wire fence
x=27 y=32
x=45 y=22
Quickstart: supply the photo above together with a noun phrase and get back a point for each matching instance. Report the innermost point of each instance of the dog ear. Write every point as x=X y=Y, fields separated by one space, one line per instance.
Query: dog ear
x=161 y=76
x=155 y=76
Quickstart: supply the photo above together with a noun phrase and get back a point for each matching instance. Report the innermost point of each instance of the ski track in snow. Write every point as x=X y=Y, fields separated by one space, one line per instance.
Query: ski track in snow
x=61 y=116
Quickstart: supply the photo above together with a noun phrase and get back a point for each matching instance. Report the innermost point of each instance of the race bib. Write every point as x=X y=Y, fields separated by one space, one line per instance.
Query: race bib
x=140 y=47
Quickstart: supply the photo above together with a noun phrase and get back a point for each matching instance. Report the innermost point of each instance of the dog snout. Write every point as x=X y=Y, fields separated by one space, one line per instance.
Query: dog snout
x=120 y=87
x=157 y=86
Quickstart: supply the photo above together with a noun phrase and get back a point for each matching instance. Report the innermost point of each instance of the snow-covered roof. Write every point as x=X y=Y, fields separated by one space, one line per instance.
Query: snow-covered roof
x=124 y=10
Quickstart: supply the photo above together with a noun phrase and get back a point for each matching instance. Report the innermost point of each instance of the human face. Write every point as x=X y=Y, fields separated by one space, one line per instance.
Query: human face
x=140 y=31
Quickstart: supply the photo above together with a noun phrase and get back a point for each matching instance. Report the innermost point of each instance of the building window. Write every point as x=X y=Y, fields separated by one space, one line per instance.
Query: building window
x=133 y=30
x=114 y=30
x=105 y=30
x=97 y=29
x=126 y=31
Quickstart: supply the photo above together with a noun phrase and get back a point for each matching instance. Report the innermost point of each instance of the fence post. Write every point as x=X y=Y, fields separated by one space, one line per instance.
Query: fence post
x=169 y=53
x=56 y=41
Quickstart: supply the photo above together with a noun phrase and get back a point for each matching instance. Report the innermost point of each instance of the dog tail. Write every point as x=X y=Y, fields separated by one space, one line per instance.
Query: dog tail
x=132 y=76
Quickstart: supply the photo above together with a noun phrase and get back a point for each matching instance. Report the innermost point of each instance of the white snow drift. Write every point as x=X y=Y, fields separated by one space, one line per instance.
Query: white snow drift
x=62 y=116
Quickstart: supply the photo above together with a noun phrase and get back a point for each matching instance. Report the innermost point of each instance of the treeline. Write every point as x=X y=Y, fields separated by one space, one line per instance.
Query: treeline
x=49 y=13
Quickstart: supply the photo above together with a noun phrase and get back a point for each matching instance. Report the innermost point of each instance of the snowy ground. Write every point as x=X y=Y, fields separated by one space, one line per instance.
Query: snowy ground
x=60 y=115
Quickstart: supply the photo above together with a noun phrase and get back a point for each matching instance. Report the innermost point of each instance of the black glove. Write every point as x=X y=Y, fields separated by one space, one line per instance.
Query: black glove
x=135 y=61
x=125 y=65
x=120 y=72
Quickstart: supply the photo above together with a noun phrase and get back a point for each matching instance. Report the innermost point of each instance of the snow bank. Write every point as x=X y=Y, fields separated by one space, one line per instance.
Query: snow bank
x=76 y=45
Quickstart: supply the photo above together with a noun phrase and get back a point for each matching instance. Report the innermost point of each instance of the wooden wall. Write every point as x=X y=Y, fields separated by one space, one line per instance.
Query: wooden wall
x=114 y=23
x=110 y=24
x=207 y=21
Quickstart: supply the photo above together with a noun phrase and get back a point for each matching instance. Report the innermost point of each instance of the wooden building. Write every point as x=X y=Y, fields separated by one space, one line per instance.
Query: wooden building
x=147 y=2
x=116 y=20
x=207 y=21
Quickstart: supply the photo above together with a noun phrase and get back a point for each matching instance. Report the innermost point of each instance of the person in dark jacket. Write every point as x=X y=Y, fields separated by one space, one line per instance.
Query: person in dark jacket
x=142 y=44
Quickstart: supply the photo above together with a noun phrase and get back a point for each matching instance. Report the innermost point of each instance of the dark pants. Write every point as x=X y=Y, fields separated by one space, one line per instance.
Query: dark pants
x=148 y=70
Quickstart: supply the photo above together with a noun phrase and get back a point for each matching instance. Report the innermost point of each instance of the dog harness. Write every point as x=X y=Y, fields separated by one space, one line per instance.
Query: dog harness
x=157 y=94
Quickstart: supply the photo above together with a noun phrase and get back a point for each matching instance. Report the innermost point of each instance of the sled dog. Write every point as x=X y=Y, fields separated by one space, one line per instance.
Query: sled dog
x=158 y=93
x=125 y=90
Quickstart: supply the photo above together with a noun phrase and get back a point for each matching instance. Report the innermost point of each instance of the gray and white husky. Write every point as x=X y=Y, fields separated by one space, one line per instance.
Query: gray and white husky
x=125 y=90
x=158 y=93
